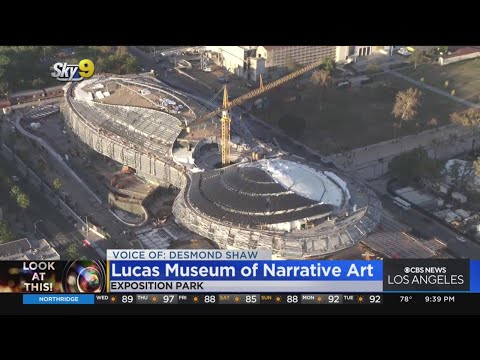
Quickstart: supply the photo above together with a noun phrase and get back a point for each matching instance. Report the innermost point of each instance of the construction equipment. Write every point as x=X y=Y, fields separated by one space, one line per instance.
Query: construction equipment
x=227 y=105
x=127 y=170
x=368 y=255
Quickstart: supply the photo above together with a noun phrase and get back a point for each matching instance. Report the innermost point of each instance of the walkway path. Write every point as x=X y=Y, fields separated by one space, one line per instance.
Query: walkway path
x=56 y=156
x=433 y=89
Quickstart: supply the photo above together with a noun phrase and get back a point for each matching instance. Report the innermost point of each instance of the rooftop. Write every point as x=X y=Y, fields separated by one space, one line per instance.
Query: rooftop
x=23 y=249
x=264 y=192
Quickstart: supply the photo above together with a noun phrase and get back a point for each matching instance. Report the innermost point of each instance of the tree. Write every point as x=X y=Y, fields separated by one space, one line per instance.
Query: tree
x=329 y=65
x=38 y=83
x=15 y=191
x=122 y=51
x=406 y=104
x=23 y=201
x=3 y=87
x=459 y=175
x=468 y=118
x=417 y=57
x=130 y=65
x=6 y=233
x=436 y=143
x=432 y=122
x=476 y=166
x=57 y=184
x=414 y=163
x=105 y=49
x=72 y=252
x=322 y=79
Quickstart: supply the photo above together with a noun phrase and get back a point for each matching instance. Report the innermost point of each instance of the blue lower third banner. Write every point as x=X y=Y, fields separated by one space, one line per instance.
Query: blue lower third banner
x=58 y=299
x=475 y=276
x=245 y=276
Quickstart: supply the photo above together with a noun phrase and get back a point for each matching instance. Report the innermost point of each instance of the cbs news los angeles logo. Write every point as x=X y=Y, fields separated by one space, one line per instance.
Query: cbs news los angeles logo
x=67 y=72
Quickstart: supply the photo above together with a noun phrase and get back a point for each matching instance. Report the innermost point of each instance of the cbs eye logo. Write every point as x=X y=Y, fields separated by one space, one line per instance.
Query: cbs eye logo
x=65 y=72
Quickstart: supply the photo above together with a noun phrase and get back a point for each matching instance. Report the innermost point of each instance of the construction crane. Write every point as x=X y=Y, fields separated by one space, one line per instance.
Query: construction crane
x=227 y=105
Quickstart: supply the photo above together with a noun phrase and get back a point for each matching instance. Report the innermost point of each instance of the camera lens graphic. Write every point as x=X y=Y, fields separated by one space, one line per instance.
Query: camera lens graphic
x=88 y=280
x=86 y=276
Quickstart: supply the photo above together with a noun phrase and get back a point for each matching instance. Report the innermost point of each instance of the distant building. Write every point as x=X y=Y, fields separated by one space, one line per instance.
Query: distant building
x=240 y=60
x=278 y=56
x=459 y=197
x=23 y=249
x=362 y=50
x=251 y=61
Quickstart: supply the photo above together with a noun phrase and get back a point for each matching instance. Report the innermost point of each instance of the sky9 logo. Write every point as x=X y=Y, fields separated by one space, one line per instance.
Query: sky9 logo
x=65 y=72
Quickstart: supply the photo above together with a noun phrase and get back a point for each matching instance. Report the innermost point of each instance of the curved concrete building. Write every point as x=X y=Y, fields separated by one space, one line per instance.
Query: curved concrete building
x=297 y=210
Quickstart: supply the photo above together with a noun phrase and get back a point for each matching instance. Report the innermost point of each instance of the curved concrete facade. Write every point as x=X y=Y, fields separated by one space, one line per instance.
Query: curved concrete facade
x=156 y=169
x=314 y=242
x=332 y=236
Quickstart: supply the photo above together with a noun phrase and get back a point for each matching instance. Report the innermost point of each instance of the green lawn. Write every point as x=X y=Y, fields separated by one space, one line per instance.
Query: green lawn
x=353 y=117
x=463 y=76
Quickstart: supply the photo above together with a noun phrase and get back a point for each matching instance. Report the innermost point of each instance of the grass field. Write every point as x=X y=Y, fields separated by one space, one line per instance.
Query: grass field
x=353 y=117
x=463 y=76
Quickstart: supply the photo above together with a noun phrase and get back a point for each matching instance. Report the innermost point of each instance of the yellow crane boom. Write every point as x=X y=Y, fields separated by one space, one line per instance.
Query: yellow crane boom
x=227 y=105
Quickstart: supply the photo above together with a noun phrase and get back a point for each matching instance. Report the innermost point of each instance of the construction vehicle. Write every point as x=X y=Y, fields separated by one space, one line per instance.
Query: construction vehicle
x=127 y=170
x=228 y=105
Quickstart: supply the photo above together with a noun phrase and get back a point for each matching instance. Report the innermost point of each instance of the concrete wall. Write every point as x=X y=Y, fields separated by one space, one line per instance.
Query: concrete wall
x=293 y=245
x=342 y=53
x=128 y=205
x=445 y=61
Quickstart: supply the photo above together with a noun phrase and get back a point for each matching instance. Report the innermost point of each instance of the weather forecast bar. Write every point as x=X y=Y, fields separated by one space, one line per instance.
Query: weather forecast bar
x=239 y=299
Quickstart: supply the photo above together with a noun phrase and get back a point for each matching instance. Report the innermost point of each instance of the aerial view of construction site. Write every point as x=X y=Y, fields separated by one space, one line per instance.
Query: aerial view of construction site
x=335 y=152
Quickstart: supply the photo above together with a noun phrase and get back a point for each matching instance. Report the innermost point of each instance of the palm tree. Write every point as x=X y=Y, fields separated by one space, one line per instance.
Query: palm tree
x=406 y=104
x=322 y=79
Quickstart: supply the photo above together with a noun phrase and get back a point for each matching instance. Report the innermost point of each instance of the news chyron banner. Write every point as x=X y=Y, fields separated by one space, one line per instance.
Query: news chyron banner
x=235 y=271
x=223 y=271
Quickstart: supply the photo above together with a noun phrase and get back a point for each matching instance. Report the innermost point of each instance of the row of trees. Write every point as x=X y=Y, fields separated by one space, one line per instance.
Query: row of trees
x=417 y=163
x=6 y=233
x=414 y=163
x=23 y=67
x=28 y=67
x=115 y=60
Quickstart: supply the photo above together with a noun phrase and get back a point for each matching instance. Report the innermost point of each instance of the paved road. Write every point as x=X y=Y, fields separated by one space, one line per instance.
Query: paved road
x=427 y=227
x=97 y=210
x=57 y=157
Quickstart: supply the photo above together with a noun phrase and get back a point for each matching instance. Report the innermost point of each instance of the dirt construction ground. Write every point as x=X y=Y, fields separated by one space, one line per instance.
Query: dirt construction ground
x=353 y=117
